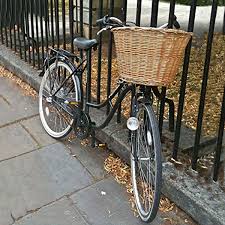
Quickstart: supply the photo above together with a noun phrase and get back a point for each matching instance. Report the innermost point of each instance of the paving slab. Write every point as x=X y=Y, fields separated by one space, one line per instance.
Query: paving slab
x=115 y=135
x=10 y=114
x=14 y=141
x=91 y=158
x=19 y=106
x=35 y=179
x=6 y=114
x=36 y=130
x=106 y=202
x=59 y=213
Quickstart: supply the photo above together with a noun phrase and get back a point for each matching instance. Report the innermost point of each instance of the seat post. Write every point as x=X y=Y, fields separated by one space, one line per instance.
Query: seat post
x=88 y=80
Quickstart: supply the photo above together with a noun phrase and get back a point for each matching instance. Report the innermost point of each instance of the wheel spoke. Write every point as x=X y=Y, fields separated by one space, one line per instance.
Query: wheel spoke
x=62 y=114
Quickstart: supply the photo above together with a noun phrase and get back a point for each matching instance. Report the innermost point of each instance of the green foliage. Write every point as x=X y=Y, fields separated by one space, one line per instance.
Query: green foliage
x=199 y=2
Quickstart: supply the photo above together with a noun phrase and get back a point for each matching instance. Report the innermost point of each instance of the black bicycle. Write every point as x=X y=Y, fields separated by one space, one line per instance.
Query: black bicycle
x=64 y=105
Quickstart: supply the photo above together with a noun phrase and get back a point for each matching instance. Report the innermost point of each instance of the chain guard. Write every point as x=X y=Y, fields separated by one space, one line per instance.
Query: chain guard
x=82 y=126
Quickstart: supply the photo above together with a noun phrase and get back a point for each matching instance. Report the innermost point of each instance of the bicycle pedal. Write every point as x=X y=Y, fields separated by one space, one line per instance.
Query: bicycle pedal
x=101 y=145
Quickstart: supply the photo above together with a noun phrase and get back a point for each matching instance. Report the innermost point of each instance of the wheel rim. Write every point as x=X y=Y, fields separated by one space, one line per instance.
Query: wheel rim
x=54 y=119
x=143 y=166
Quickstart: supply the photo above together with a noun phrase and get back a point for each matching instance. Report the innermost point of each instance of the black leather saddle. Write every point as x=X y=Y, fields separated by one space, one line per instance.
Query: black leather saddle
x=84 y=43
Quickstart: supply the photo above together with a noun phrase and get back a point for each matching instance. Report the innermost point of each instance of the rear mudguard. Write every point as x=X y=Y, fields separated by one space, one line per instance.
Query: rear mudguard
x=49 y=61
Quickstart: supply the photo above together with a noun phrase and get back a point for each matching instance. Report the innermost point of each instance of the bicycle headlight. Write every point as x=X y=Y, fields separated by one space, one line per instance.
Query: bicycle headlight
x=132 y=123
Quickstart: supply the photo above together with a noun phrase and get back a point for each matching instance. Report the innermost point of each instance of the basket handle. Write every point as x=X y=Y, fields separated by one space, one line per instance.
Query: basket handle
x=175 y=23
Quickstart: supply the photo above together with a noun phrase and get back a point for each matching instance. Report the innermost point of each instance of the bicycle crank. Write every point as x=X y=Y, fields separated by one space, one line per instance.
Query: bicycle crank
x=82 y=127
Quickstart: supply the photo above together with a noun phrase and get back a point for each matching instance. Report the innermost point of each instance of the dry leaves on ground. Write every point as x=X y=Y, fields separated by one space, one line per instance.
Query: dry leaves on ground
x=122 y=174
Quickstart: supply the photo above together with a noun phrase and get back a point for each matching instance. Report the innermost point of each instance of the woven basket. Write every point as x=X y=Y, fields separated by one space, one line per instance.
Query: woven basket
x=149 y=56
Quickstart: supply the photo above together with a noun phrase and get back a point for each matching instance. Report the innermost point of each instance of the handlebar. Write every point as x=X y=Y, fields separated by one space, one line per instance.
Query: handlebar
x=100 y=21
x=108 y=23
x=116 y=21
x=107 y=20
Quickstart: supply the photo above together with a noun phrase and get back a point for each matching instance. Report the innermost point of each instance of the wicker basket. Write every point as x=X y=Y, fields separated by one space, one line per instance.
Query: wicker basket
x=149 y=56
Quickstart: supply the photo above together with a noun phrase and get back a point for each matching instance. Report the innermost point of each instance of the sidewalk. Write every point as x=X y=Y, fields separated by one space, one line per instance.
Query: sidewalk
x=202 y=17
x=46 y=182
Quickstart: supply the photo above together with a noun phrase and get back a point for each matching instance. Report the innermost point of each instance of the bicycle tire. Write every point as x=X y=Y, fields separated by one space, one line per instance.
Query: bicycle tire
x=68 y=69
x=140 y=155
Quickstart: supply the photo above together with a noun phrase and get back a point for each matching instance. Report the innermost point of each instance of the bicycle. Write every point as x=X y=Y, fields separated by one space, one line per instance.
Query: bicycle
x=64 y=105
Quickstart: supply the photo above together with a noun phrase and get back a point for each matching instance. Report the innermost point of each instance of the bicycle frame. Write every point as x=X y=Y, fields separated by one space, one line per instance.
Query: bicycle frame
x=122 y=90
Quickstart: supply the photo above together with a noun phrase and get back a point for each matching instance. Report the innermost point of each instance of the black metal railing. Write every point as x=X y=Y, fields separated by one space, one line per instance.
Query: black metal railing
x=29 y=27
x=219 y=144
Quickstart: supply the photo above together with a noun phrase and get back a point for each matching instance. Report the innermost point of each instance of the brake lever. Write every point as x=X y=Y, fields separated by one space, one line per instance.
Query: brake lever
x=104 y=29
x=100 y=31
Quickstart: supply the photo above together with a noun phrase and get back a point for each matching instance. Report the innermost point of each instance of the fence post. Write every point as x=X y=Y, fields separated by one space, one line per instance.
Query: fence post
x=184 y=81
x=204 y=84
x=219 y=140
x=224 y=20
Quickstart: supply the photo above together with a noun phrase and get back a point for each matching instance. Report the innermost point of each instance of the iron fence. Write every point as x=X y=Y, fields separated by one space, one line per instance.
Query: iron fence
x=29 y=27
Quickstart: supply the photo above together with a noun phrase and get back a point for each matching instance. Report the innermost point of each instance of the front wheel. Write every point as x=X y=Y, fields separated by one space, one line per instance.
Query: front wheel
x=146 y=165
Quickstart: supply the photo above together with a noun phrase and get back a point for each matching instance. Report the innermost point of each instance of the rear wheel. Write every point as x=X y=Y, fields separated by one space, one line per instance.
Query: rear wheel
x=146 y=166
x=52 y=110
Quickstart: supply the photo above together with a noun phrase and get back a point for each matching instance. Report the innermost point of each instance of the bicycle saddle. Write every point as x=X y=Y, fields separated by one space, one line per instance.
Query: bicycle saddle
x=84 y=43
